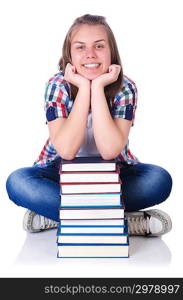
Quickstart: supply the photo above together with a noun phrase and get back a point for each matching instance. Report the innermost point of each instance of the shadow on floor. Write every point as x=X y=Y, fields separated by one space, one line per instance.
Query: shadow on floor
x=41 y=248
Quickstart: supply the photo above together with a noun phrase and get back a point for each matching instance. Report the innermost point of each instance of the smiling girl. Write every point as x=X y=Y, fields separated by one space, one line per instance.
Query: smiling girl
x=90 y=108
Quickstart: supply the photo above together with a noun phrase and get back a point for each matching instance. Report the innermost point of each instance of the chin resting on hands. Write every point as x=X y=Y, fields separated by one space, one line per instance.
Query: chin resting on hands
x=71 y=76
x=109 y=77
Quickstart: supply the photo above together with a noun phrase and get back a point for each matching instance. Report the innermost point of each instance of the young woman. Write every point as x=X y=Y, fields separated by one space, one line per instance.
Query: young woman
x=90 y=108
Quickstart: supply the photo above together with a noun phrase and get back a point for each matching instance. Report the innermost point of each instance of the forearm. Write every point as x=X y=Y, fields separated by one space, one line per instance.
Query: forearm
x=71 y=135
x=108 y=138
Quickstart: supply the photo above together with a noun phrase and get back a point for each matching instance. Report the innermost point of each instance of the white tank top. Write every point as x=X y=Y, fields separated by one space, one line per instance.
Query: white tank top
x=88 y=148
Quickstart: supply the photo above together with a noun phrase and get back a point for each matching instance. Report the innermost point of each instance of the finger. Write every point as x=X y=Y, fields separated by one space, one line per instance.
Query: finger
x=70 y=68
x=73 y=69
x=111 y=68
x=67 y=68
x=68 y=65
x=114 y=68
x=118 y=69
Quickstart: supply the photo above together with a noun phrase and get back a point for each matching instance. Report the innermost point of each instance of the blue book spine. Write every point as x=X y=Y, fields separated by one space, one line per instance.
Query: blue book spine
x=95 y=234
x=124 y=233
x=83 y=206
x=125 y=225
x=84 y=244
x=91 y=226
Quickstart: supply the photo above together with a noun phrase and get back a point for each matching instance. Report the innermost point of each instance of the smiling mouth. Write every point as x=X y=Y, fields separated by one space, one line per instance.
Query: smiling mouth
x=91 y=66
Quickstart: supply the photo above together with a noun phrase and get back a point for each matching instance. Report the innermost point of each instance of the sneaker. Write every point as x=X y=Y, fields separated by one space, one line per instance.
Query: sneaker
x=149 y=223
x=33 y=222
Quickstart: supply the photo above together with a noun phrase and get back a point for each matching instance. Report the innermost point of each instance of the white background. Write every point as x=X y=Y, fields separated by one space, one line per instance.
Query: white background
x=149 y=37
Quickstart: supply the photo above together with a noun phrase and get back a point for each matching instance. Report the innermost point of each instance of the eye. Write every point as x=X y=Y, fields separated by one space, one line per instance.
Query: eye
x=98 y=46
x=80 y=47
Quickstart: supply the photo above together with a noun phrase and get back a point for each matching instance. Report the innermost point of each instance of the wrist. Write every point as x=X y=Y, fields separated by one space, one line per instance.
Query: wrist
x=96 y=85
x=84 y=84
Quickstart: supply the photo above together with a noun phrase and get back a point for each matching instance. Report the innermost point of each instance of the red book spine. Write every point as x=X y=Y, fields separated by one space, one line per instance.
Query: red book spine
x=76 y=183
x=117 y=171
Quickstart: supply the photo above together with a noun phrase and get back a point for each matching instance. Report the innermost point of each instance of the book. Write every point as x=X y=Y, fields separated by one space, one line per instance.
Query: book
x=92 y=239
x=91 y=229
x=92 y=235
x=91 y=211
x=93 y=163
x=112 y=176
x=84 y=200
x=79 y=188
x=94 y=213
x=93 y=250
x=92 y=222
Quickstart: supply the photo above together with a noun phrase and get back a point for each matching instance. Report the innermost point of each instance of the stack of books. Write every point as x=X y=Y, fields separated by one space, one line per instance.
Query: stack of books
x=92 y=222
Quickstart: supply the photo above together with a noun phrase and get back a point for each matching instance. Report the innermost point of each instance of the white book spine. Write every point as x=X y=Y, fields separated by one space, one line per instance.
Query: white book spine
x=89 y=167
x=92 y=230
x=89 y=177
x=106 y=222
x=89 y=188
x=93 y=251
x=88 y=239
x=91 y=214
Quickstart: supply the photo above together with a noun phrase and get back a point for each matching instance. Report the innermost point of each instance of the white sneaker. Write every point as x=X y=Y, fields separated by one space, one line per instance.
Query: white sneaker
x=32 y=222
x=152 y=222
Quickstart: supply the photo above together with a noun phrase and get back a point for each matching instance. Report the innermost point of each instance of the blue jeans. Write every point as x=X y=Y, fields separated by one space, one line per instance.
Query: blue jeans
x=37 y=188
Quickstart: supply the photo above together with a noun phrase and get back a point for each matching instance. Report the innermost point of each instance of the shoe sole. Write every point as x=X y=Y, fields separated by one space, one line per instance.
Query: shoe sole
x=166 y=218
x=27 y=222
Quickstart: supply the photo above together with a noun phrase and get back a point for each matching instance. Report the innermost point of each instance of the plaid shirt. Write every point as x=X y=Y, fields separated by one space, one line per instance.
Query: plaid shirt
x=58 y=104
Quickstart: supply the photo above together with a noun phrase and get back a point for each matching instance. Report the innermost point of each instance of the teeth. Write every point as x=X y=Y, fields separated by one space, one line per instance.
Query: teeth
x=91 y=65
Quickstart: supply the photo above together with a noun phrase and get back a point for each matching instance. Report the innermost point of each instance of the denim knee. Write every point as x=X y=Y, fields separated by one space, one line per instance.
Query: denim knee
x=159 y=185
x=145 y=185
x=166 y=182
x=13 y=185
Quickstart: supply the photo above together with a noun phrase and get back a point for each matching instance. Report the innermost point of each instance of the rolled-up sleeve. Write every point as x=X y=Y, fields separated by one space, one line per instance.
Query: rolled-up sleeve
x=56 y=99
x=125 y=102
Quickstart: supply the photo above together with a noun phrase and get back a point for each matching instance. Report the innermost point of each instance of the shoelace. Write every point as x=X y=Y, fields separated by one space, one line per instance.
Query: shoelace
x=47 y=223
x=138 y=225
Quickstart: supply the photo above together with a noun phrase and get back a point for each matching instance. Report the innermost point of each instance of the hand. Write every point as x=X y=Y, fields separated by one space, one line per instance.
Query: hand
x=74 y=78
x=108 y=78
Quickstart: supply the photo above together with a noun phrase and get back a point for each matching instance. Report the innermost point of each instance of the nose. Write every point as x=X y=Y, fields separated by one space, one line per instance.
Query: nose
x=90 y=53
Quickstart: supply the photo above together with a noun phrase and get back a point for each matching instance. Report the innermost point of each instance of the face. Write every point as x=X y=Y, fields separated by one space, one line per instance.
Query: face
x=90 y=51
